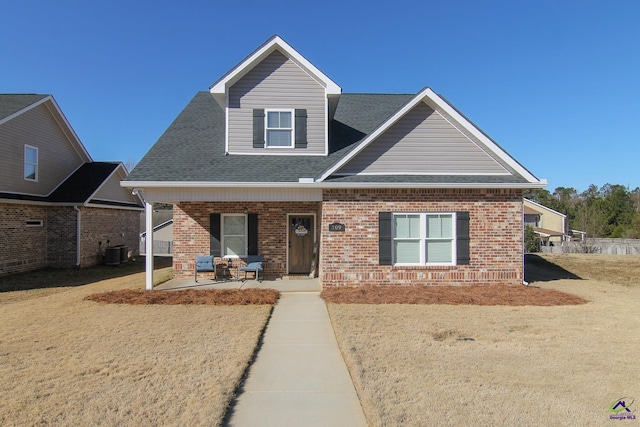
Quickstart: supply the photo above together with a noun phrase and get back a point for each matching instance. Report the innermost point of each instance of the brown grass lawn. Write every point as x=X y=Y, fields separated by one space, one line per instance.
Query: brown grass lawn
x=68 y=361
x=441 y=364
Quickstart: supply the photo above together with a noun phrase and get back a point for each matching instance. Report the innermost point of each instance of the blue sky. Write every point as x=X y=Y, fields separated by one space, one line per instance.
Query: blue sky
x=555 y=83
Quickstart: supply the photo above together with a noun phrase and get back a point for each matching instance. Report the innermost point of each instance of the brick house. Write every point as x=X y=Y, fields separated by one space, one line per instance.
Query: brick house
x=353 y=188
x=58 y=208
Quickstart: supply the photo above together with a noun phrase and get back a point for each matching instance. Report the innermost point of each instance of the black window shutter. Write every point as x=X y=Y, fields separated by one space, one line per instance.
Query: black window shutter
x=384 y=238
x=258 y=128
x=215 y=248
x=462 y=240
x=301 y=128
x=252 y=234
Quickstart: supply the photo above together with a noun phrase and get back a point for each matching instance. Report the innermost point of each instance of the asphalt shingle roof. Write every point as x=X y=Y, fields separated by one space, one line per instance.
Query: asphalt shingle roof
x=83 y=182
x=77 y=188
x=192 y=149
x=11 y=103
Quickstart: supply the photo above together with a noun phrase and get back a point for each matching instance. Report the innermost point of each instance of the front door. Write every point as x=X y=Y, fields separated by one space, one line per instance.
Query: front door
x=301 y=238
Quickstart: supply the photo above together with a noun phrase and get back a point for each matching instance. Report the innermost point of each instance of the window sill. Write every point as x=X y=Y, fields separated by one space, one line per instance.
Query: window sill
x=425 y=267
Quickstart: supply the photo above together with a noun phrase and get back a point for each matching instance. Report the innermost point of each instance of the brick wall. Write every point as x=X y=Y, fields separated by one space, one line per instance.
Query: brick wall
x=351 y=257
x=61 y=237
x=191 y=236
x=22 y=248
x=100 y=226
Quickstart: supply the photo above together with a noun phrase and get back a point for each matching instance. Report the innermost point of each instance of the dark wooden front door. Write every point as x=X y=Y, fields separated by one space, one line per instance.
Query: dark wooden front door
x=301 y=237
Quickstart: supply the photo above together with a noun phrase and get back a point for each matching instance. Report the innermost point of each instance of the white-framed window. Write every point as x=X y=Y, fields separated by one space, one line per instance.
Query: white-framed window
x=424 y=238
x=279 y=128
x=234 y=236
x=30 y=163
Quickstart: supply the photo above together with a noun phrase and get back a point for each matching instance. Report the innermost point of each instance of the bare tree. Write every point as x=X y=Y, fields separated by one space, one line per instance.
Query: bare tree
x=130 y=164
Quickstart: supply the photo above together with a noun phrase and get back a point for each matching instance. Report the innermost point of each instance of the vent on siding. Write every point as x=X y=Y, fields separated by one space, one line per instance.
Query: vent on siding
x=34 y=223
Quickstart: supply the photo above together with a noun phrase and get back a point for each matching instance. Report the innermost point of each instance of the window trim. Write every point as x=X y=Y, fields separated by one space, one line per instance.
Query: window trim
x=423 y=239
x=25 y=163
x=223 y=235
x=291 y=129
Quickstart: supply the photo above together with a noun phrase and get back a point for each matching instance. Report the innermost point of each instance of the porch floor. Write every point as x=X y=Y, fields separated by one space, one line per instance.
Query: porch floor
x=282 y=285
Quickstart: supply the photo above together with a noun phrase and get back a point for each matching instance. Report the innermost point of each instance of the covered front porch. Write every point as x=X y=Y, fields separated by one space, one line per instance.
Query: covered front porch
x=232 y=223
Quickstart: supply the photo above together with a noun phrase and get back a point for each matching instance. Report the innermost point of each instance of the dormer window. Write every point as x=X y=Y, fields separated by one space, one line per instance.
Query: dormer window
x=279 y=129
x=30 y=163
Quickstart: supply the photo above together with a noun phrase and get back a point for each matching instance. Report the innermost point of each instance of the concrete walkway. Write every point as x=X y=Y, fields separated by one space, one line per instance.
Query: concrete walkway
x=298 y=377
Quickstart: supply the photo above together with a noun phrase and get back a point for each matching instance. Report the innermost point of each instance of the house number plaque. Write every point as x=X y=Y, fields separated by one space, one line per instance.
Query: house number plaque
x=336 y=226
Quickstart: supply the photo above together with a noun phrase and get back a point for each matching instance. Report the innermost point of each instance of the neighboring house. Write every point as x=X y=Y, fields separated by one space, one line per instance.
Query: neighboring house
x=355 y=188
x=549 y=225
x=58 y=208
x=162 y=236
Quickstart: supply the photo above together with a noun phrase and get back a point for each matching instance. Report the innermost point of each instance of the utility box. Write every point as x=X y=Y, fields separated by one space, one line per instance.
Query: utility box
x=112 y=255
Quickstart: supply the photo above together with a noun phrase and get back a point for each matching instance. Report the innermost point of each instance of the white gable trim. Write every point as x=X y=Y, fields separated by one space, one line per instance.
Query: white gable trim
x=438 y=104
x=25 y=109
x=65 y=126
x=71 y=134
x=543 y=207
x=220 y=87
x=120 y=170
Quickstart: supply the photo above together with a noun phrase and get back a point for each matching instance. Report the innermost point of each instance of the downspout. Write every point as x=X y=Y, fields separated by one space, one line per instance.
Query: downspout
x=78 y=228
x=524 y=282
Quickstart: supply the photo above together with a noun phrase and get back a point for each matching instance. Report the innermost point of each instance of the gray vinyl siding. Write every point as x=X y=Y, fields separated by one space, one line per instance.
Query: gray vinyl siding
x=423 y=142
x=112 y=191
x=56 y=157
x=276 y=82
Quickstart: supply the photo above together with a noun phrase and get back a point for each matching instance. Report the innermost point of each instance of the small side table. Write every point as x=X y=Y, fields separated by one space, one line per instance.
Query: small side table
x=223 y=271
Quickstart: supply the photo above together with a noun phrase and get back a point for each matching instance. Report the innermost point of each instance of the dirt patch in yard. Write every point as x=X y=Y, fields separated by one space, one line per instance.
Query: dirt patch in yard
x=450 y=295
x=188 y=296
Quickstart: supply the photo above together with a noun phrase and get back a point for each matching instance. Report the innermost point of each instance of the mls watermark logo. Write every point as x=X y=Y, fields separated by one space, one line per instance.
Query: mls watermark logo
x=621 y=409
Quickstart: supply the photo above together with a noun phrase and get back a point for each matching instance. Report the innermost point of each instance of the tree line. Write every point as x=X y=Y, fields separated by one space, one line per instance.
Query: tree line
x=608 y=211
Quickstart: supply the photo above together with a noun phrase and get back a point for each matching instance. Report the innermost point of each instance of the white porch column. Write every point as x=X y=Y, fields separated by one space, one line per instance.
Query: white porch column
x=148 y=217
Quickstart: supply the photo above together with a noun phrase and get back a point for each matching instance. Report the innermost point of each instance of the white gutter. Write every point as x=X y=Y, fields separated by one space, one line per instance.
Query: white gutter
x=317 y=184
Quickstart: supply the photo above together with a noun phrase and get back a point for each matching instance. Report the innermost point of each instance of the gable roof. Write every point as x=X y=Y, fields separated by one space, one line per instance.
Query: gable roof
x=192 y=148
x=220 y=88
x=83 y=183
x=79 y=188
x=458 y=120
x=13 y=103
x=192 y=151
x=532 y=207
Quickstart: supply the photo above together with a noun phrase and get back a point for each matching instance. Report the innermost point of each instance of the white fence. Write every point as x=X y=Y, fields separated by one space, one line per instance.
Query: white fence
x=160 y=247
x=598 y=246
